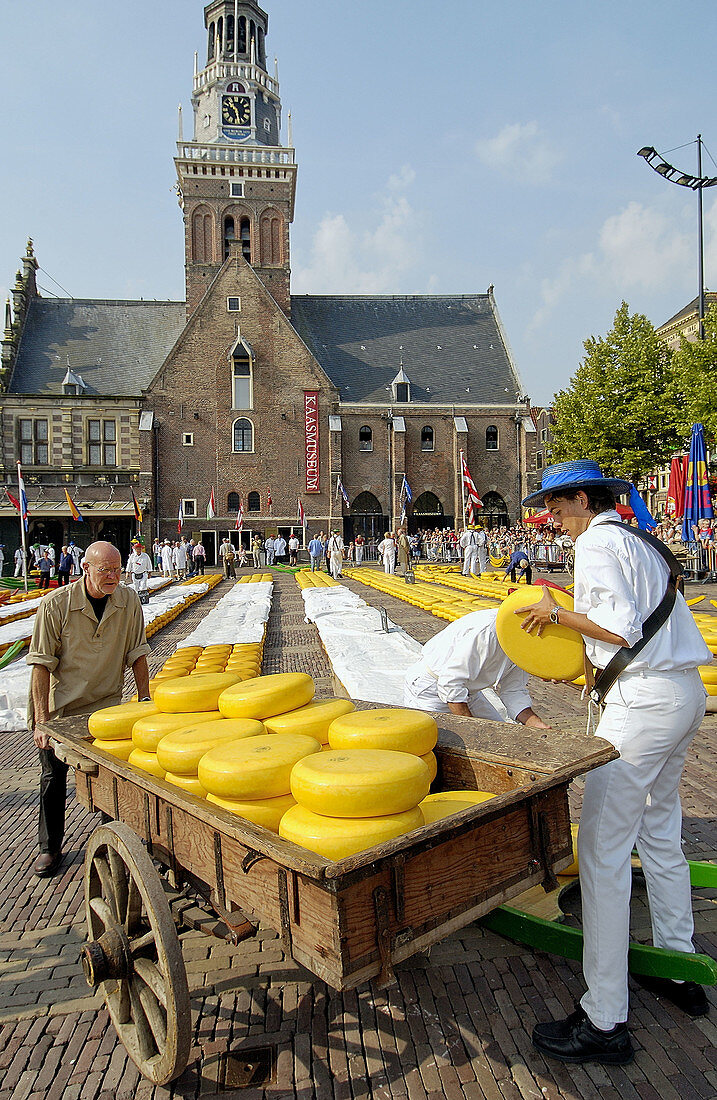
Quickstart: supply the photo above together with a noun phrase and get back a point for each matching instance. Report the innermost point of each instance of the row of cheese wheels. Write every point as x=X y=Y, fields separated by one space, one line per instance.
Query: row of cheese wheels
x=171 y=614
x=243 y=659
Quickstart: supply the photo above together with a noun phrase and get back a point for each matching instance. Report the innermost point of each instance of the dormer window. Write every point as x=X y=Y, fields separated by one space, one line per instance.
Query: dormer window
x=401 y=387
x=73 y=384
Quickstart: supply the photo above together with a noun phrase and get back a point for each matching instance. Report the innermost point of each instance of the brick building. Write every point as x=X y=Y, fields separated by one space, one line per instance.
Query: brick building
x=245 y=388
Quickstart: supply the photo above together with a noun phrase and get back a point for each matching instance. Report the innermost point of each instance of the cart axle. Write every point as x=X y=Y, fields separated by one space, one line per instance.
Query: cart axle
x=107 y=957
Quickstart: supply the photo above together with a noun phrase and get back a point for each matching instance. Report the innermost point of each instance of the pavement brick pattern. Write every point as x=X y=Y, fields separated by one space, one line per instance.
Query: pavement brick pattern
x=456 y=1025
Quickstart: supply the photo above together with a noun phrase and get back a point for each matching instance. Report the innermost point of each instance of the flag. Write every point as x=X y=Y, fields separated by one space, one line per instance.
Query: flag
x=211 y=507
x=340 y=489
x=180 y=518
x=74 y=510
x=269 y=501
x=675 y=503
x=13 y=500
x=137 y=509
x=473 y=501
x=642 y=513
x=24 y=510
x=698 y=504
x=239 y=525
x=406 y=493
x=302 y=521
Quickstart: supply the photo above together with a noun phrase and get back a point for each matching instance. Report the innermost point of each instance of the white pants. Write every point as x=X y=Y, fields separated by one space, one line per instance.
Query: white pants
x=335 y=561
x=420 y=692
x=482 y=559
x=139 y=582
x=470 y=560
x=650 y=718
x=359 y=554
x=389 y=562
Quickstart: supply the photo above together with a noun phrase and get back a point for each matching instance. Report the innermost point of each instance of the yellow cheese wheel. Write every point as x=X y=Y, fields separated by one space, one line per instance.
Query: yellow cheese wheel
x=265 y=696
x=360 y=782
x=431 y=761
x=557 y=654
x=120 y=749
x=338 y=837
x=313 y=720
x=193 y=692
x=266 y=812
x=574 y=868
x=434 y=811
x=148 y=732
x=472 y=797
x=181 y=751
x=385 y=728
x=255 y=767
x=146 y=761
x=115 y=723
x=188 y=783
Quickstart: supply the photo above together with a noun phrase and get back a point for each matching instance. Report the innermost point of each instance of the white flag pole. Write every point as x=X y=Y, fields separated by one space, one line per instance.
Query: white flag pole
x=21 y=493
x=463 y=494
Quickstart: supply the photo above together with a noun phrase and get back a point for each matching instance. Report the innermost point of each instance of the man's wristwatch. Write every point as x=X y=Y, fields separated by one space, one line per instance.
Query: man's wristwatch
x=554 y=616
x=146 y=699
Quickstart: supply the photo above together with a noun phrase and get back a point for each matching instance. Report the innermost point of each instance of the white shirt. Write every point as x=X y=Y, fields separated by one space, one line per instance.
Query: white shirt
x=279 y=546
x=466 y=657
x=619 y=581
x=387 y=546
x=139 y=563
x=336 y=544
x=167 y=557
x=294 y=543
x=179 y=556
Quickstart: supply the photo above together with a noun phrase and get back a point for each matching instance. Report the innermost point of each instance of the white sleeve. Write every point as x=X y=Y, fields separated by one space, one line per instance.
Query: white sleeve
x=513 y=691
x=605 y=574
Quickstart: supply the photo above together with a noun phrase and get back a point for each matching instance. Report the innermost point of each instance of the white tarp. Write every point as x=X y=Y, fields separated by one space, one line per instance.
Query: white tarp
x=370 y=663
x=240 y=616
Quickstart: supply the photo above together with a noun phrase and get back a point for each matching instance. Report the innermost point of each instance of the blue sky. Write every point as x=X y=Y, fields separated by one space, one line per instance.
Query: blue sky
x=441 y=148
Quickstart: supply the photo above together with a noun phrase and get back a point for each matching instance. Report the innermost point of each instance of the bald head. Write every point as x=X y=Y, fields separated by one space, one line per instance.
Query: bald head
x=102 y=566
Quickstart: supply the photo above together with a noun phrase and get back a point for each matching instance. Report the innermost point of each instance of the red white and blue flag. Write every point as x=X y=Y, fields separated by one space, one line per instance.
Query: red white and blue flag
x=344 y=494
x=24 y=510
x=211 y=507
x=302 y=521
x=239 y=525
x=269 y=501
x=180 y=518
x=473 y=501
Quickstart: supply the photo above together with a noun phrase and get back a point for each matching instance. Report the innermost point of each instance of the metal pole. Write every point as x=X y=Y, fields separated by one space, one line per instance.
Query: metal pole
x=701 y=242
x=463 y=492
x=20 y=492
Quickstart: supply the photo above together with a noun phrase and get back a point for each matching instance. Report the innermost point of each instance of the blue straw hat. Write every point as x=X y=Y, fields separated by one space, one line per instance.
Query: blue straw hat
x=583 y=473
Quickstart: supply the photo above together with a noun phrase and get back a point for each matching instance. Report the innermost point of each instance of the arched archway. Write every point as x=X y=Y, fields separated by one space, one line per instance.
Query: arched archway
x=494 y=512
x=367 y=518
x=427 y=514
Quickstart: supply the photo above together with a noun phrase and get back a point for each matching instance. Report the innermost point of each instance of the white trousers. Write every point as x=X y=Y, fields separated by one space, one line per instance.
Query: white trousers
x=650 y=718
x=470 y=560
x=140 y=582
x=335 y=562
x=482 y=559
x=420 y=692
x=359 y=554
x=389 y=562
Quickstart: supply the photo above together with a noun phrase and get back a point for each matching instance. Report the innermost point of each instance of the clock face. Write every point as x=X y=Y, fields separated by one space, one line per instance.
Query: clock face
x=236 y=110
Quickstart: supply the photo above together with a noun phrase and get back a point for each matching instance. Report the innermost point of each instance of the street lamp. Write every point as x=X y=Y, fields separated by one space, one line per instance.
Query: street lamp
x=695 y=183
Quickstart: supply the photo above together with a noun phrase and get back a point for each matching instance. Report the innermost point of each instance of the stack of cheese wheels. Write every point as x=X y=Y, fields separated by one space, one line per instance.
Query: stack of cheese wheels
x=111 y=727
x=149 y=731
x=252 y=777
x=264 y=696
x=411 y=731
x=352 y=799
x=314 y=719
x=179 y=753
x=442 y=804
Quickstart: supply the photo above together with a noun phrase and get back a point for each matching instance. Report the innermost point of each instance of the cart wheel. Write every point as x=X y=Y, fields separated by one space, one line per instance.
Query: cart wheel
x=134 y=953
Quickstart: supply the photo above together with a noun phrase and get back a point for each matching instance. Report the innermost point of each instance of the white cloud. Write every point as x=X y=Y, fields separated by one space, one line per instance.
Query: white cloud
x=375 y=260
x=521 y=150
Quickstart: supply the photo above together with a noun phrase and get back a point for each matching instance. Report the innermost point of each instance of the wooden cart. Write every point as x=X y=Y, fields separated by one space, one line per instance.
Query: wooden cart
x=164 y=858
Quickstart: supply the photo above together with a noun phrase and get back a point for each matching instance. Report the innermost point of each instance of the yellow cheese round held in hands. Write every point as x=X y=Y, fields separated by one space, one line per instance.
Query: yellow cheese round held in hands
x=338 y=837
x=385 y=728
x=147 y=761
x=181 y=751
x=256 y=767
x=148 y=732
x=120 y=749
x=555 y=654
x=266 y=812
x=115 y=723
x=314 y=719
x=188 y=783
x=360 y=782
x=265 y=696
x=198 y=691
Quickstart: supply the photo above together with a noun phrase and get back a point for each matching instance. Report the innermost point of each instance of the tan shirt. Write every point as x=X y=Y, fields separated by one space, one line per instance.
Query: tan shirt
x=86 y=659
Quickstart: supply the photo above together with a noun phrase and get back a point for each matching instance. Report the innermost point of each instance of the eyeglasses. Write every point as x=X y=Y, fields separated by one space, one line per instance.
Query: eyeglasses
x=106 y=571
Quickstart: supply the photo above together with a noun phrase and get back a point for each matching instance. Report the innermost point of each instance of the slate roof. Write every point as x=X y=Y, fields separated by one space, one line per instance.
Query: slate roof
x=117 y=347
x=452 y=348
x=690 y=308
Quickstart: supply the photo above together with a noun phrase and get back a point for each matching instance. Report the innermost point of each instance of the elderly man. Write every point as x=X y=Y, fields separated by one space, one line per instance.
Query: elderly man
x=85 y=635
x=461 y=663
x=650 y=714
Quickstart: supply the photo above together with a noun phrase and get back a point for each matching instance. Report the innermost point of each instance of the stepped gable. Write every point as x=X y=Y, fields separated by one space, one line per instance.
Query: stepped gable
x=117 y=347
x=452 y=348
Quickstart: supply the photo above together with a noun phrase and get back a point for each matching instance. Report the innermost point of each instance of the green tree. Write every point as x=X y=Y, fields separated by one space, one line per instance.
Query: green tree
x=617 y=409
x=694 y=383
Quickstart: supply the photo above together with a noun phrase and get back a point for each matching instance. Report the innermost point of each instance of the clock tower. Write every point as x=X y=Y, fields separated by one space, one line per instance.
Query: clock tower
x=236 y=181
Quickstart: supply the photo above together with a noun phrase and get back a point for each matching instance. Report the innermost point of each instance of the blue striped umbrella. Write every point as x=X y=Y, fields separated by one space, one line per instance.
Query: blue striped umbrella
x=698 y=504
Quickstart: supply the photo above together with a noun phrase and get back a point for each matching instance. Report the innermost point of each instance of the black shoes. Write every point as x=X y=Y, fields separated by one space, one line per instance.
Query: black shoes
x=575 y=1039
x=689 y=996
x=47 y=864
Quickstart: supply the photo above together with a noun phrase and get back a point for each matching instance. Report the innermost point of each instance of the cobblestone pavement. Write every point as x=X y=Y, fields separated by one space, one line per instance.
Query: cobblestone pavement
x=456 y=1025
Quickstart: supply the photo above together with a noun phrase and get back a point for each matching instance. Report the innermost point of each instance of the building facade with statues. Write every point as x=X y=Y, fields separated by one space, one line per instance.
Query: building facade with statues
x=264 y=397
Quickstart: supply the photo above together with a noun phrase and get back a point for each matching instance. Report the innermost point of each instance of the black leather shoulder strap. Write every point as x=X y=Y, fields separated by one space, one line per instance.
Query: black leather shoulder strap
x=605 y=679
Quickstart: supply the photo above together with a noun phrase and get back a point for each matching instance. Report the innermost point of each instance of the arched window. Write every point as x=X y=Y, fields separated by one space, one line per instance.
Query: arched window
x=242 y=391
x=427 y=438
x=212 y=35
x=428 y=504
x=202 y=242
x=242 y=34
x=230 y=34
x=270 y=232
x=245 y=235
x=253 y=502
x=366 y=504
x=229 y=234
x=233 y=502
x=365 y=438
x=243 y=433
x=494 y=512
x=261 y=51
x=491 y=438
x=220 y=37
